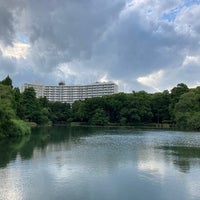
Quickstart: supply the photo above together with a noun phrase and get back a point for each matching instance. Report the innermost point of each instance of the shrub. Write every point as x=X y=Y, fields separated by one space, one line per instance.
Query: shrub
x=20 y=128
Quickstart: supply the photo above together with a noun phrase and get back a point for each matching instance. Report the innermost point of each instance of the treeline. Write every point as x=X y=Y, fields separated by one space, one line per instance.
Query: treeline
x=180 y=107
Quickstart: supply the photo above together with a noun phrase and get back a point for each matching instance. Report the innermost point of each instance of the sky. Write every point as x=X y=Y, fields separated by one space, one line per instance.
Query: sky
x=149 y=45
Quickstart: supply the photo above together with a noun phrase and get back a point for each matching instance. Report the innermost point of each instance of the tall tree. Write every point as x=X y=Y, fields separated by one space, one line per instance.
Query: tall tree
x=10 y=125
x=176 y=92
x=30 y=110
x=160 y=106
x=187 y=110
x=7 y=81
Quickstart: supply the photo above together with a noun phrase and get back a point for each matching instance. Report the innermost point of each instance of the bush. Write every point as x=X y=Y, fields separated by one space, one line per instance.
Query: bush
x=20 y=128
x=14 y=127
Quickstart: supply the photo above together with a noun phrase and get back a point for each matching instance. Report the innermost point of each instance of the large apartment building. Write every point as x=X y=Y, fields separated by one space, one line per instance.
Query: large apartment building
x=69 y=94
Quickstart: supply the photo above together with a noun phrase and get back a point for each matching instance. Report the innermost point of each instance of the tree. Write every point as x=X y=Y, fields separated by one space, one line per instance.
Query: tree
x=160 y=102
x=188 y=102
x=30 y=110
x=187 y=110
x=79 y=111
x=176 y=92
x=143 y=102
x=10 y=125
x=113 y=104
x=99 y=117
x=7 y=99
x=17 y=103
x=5 y=121
x=44 y=102
x=59 y=112
x=7 y=81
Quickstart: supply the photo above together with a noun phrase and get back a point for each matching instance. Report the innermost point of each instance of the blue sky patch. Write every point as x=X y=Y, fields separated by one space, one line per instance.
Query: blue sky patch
x=171 y=15
x=22 y=38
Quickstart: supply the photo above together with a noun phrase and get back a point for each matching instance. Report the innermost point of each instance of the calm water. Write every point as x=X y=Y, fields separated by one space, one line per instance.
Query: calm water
x=101 y=164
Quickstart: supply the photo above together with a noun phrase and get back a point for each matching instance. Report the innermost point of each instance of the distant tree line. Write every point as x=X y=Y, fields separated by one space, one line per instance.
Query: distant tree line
x=180 y=107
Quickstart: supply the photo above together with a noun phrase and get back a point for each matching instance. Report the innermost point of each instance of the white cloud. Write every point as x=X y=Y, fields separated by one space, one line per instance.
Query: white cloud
x=65 y=69
x=18 y=50
x=152 y=167
x=104 y=78
x=187 y=23
x=191 y=60
x=152 y=80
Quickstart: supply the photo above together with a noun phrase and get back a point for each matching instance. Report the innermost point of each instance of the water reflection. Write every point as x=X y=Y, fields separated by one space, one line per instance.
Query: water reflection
x=62 y=139
x=40 y=139
x=10 y=148
x=90 y=163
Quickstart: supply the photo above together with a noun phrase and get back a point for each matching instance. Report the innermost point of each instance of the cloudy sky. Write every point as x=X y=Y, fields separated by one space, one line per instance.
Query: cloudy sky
x=149 y=45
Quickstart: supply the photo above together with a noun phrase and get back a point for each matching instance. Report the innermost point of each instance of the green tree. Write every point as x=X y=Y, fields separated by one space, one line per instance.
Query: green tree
x=176 y=93
x=160 y=106
x=137 y=108
x=59 y=112
x=5 y=121
x=45 y=115
x=7 y=81
x=30 y=110
x=7 y=99
x=44 y=102
x=113 y=106
x=143 y=105
x=79 y=111
x=17 y=103
x=9 y=124
x=99 y=117
x=187 y=110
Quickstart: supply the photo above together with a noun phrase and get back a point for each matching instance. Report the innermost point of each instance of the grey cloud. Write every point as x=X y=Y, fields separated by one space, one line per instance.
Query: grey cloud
x=6 y=24
x=100 y=37
x=134 y=47
x=10 y=10
x=7 y=66
x=188 y=75
x=68 y=28
x=188 y=23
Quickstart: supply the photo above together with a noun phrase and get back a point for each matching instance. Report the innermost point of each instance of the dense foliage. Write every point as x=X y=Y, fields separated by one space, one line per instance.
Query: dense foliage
x=10 y=124
x=178 y=108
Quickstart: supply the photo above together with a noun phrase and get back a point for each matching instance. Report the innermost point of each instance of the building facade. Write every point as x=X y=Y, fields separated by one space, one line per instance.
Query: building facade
x=69 y=94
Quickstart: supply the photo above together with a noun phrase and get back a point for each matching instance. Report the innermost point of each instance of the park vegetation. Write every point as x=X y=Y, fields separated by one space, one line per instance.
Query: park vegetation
x=10 y=124
x=178 y=108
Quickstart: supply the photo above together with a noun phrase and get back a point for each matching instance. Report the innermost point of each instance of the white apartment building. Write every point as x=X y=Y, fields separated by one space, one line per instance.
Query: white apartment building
x=69 y=94
x=38 y=87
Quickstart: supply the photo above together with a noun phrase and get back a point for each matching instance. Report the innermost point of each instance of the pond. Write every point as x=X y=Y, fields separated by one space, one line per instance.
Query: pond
x=77 y=163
